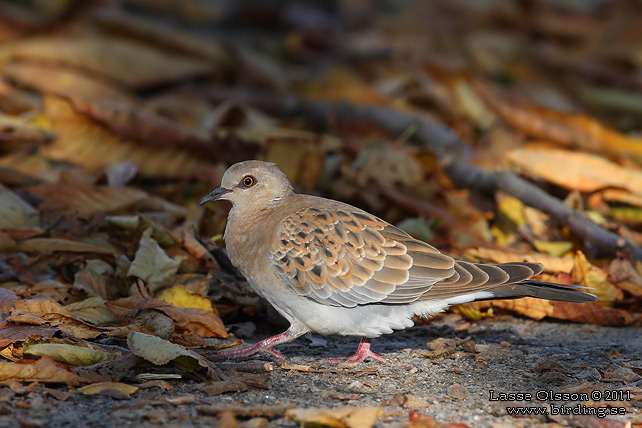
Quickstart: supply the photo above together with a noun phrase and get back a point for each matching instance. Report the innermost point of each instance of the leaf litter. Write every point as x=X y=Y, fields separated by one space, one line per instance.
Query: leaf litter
x=114 y=119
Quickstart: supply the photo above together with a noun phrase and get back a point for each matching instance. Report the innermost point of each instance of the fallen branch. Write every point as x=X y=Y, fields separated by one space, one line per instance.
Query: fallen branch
x=449 y=148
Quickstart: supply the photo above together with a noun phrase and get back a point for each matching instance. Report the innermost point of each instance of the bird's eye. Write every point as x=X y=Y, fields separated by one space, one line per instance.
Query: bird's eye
x=248 y=181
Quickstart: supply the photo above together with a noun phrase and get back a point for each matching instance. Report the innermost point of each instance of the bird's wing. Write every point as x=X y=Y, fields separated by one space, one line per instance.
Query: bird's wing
x=347 y=257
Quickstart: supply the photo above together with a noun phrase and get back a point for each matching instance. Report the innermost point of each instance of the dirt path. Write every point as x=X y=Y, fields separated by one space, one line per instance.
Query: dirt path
x=452 y=384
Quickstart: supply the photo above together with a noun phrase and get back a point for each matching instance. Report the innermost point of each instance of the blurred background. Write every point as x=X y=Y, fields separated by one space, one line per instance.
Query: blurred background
x=134 y=108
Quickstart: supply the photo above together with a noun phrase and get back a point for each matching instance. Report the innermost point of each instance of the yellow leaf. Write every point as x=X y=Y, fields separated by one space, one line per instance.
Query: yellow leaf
x=587 y=275
x=555 y=248
x=344 y=417
x=97 y=388
x=180 y=297
x=67 y=354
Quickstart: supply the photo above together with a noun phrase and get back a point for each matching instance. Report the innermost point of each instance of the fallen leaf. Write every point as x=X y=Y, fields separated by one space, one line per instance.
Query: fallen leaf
x=105 y=56
x=588 y=275
x=44 y=370
x=151 y=264
x=91 y=310
x=342 y=417
x=52 y=79
x=15 y=212
x=160 y=351
x=97 y=388
x=495 y=255
x=181 y=298
x=68 y=354
x=87 y=143
x=570 y=130
x=576 y=170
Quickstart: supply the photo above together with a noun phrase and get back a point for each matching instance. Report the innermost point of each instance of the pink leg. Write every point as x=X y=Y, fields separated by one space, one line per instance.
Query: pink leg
x=363 y=352
x=262 y=346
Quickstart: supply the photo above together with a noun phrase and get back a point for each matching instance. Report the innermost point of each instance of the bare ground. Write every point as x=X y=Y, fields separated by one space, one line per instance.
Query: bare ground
x=450 y=384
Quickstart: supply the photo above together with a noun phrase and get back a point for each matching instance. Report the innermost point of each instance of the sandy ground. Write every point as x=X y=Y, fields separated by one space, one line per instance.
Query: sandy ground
x=450 y=384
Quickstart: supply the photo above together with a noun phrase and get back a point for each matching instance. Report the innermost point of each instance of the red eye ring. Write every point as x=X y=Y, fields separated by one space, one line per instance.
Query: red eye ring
x=248 y=181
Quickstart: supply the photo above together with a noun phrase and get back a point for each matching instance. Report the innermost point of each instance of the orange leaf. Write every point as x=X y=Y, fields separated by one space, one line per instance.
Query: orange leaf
x=43 y=370
x=575 y=170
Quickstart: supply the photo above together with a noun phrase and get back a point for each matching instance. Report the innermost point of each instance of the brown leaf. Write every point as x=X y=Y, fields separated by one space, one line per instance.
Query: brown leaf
x=18 y=130
x=132 y=64
x=89 y=144
x=43 y=370
x=7 y=299
x=157 y=35
x=52 y=79
x=20 y=333
x=134 y=123
x=87 y=200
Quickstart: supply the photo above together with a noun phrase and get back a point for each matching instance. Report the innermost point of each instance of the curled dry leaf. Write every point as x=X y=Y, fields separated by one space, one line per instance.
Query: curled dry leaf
x=65 y=82
x=575 y=170
x=151 y=264
x=106 y=57
x=44 y=370
x=342 y=417
x=72 y=355
x=160 y=351
x=87 y=143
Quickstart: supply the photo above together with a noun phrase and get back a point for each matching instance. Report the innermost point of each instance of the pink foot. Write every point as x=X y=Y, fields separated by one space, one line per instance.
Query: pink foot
x=264 y=346
x=363 y=352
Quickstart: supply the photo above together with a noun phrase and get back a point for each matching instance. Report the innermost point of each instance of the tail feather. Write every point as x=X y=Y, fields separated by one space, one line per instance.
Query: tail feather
x=542 y=290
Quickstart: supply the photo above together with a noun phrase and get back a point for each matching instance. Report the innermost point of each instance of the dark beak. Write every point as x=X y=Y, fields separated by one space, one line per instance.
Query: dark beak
x=214 y=195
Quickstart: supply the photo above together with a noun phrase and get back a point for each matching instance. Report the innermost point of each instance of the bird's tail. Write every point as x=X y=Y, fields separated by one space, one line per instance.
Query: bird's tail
x=542 y=290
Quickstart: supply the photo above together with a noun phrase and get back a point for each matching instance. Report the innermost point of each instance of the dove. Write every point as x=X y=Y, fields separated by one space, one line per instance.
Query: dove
x=330 y=268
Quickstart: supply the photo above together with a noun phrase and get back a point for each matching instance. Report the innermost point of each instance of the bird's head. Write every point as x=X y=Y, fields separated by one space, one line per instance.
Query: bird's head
x=251 y=183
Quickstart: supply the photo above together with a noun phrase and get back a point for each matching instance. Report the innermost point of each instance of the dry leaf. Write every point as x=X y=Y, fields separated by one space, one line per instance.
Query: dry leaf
x=342 y=417
x=491 y=255
x=181 y=298
x=15 y=212
x=97 y=388
x=89 y=144
x=91 y=310
x=51 y=79
x=587 y=275
x=133 y=64
x=68 y=354
x=44 y=370
x=160 y=351
x=86 y=199
x=151 y=264
x=576 y=170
